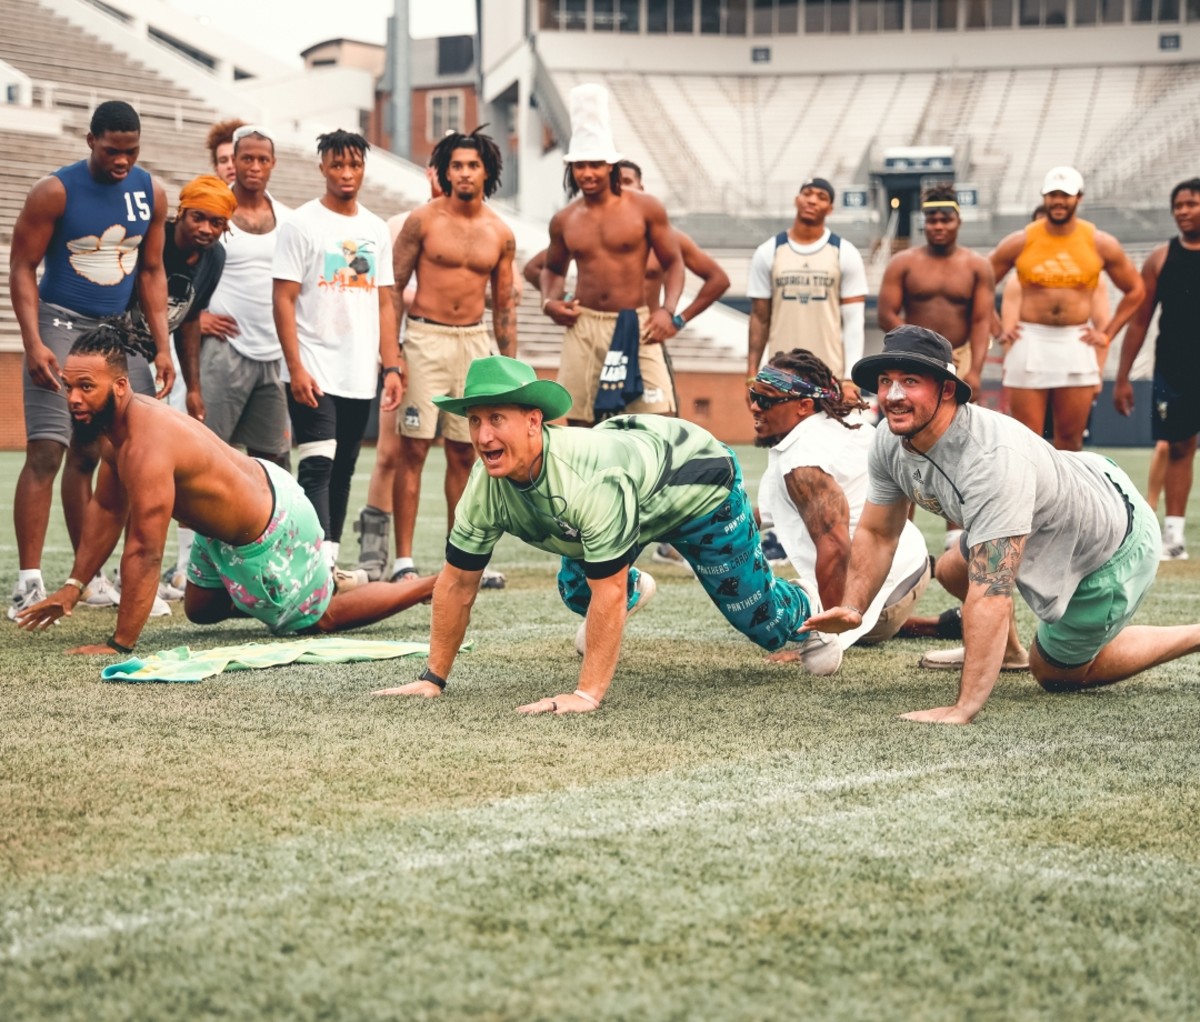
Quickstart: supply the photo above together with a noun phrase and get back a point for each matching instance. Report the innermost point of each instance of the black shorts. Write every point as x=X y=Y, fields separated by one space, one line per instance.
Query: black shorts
x=1175 y=414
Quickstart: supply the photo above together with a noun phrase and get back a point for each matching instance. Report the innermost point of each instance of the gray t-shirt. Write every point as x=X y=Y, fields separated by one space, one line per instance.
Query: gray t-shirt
x=1000 y=479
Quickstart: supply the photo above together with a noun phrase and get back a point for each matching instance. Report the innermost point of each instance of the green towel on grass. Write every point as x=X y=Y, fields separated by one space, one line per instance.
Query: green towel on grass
x=186 y=664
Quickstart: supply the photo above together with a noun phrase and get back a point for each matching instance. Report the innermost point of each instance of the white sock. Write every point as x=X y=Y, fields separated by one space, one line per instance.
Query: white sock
x=1173 y=528
x=402 y=562
x=330 y=550
x=185 y=548
x=28 y=575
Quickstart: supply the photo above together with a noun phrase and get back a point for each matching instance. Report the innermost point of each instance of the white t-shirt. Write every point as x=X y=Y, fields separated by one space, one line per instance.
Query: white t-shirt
x=822 y=442
x=244 y=291
x=854 y=273
x=339 y=262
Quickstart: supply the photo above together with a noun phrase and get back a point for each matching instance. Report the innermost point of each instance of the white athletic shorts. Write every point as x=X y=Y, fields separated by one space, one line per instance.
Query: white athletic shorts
x=1048 y=357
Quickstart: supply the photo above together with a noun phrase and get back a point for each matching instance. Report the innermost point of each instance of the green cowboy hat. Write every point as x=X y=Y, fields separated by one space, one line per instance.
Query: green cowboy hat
x=497 y=380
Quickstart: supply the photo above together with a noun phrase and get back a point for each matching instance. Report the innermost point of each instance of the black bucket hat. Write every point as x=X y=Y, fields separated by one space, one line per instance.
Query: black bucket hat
x=911 y=347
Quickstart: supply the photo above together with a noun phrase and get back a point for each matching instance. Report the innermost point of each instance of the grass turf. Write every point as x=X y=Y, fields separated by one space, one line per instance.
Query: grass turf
x=726 y=839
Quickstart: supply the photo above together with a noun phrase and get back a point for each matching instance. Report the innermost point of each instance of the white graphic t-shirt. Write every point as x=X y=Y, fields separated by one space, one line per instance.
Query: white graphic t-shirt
x=340 y=262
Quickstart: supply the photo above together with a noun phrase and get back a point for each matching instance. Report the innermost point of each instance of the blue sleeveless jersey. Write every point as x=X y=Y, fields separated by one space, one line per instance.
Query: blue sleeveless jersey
x=91 y=262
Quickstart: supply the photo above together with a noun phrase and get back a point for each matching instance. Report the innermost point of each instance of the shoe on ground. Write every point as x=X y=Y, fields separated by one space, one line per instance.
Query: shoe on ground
x=492 y=580
x=160 y=608
x=949 y=624
x=664 y=553
x=644 y=588
x=344 y=580
x=374 y=529
x=25 y=596
x=404 y=575
x=773 y=549
x=1173 y=551
x=167 y=589
x=820 y=653
x=100 y=593
x=952 y=660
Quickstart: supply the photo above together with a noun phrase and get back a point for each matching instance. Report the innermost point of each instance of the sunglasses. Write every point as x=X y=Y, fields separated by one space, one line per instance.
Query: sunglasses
x=765 y=403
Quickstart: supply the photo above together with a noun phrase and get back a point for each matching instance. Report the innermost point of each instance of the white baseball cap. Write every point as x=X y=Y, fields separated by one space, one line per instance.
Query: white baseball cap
x=1063 y=179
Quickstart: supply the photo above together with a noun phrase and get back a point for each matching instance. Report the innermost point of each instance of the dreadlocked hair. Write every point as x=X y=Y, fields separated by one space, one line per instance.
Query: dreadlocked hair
x=804 y=363
x=572 y=189
x=943 y=191
x=116 y=342
x=337 y=142
x=483 y=144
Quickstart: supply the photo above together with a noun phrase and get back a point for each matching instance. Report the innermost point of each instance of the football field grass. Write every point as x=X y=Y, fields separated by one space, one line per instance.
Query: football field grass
x=724 y=839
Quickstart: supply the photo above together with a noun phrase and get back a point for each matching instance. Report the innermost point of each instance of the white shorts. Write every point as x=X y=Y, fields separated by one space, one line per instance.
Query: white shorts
x=1048 y=357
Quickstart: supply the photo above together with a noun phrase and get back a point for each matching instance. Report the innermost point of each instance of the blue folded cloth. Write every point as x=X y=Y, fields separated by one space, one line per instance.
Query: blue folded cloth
x=621 y=374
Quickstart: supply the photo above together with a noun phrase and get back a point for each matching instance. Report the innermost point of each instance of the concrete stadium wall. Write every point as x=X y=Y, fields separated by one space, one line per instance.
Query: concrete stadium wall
x=888 y=51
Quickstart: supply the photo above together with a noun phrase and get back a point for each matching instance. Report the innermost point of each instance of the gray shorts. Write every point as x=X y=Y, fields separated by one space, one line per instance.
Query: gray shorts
x=46 y=415
x=244 y=399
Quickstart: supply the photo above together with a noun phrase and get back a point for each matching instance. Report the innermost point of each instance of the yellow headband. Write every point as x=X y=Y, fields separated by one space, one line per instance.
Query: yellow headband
x=940 y=204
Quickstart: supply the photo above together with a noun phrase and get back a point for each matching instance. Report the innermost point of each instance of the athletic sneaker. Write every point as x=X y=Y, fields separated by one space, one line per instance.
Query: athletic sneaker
x=644 y=588
x=173 y=583
x=492 y=580
x=952 y=660
x=664 y=553
x=820 y=654
x=158 y=608
x=344 y=580
x=404 y=574
x=25 y=596
x=374 y=528
x=100 y=592
x=773 y=549
x=1173 y=551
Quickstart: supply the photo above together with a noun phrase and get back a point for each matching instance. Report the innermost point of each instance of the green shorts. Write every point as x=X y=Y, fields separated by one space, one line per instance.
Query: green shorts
x=1106 y=600
x=281 y=578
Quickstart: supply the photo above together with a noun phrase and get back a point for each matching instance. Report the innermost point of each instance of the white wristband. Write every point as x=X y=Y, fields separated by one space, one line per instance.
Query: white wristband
x=588 y=698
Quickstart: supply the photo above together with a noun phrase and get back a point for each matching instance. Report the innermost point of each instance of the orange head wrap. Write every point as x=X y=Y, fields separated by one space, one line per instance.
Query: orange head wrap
x=209 y=194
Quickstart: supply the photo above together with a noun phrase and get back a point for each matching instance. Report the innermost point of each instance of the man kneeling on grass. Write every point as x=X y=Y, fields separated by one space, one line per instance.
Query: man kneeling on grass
x=257 y=549
x=597 y=497
x=1069 y=530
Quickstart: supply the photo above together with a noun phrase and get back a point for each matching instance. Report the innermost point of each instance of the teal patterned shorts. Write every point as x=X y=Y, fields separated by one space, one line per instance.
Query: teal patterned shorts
x=281 y=578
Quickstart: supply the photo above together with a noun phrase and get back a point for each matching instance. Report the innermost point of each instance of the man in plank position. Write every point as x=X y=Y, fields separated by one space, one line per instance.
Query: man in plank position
x=257 y=550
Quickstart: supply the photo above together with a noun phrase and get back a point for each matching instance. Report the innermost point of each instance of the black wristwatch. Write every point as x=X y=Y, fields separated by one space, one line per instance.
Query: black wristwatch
x=678 y=322
x=437 y=679
x=393 y=369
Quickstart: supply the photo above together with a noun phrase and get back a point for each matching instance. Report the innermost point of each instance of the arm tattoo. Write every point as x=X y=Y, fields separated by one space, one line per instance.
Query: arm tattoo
x=820 y=501
x=994 y=564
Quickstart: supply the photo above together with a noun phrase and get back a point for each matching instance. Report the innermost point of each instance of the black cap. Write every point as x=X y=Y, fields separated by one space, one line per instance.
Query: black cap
x=819 y=182
x=912 y=347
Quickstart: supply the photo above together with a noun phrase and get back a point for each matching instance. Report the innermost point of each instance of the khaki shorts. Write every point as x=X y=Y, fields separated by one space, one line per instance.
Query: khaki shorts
x=584 y=348
x=437 y=358
x=962 y=359
x=894 y=614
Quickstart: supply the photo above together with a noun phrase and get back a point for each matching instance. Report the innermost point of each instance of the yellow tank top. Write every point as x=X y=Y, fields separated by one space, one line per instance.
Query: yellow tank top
x=1069 y=260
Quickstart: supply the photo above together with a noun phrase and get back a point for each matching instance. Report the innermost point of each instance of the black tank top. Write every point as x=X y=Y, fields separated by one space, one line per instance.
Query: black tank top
x=1177 y=357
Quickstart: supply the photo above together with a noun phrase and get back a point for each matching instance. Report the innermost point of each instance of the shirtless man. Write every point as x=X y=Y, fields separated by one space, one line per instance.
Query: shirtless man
x=714 y=280
x=257 y=551
x=457 y=246
x=943 y=287
x=1053 y=359
x=609 y=232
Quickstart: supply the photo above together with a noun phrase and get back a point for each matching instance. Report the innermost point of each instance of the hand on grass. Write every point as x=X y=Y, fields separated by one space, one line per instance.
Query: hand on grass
x=414 y=688
x=940 y=715
x=559 y=705
x=103 y=649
